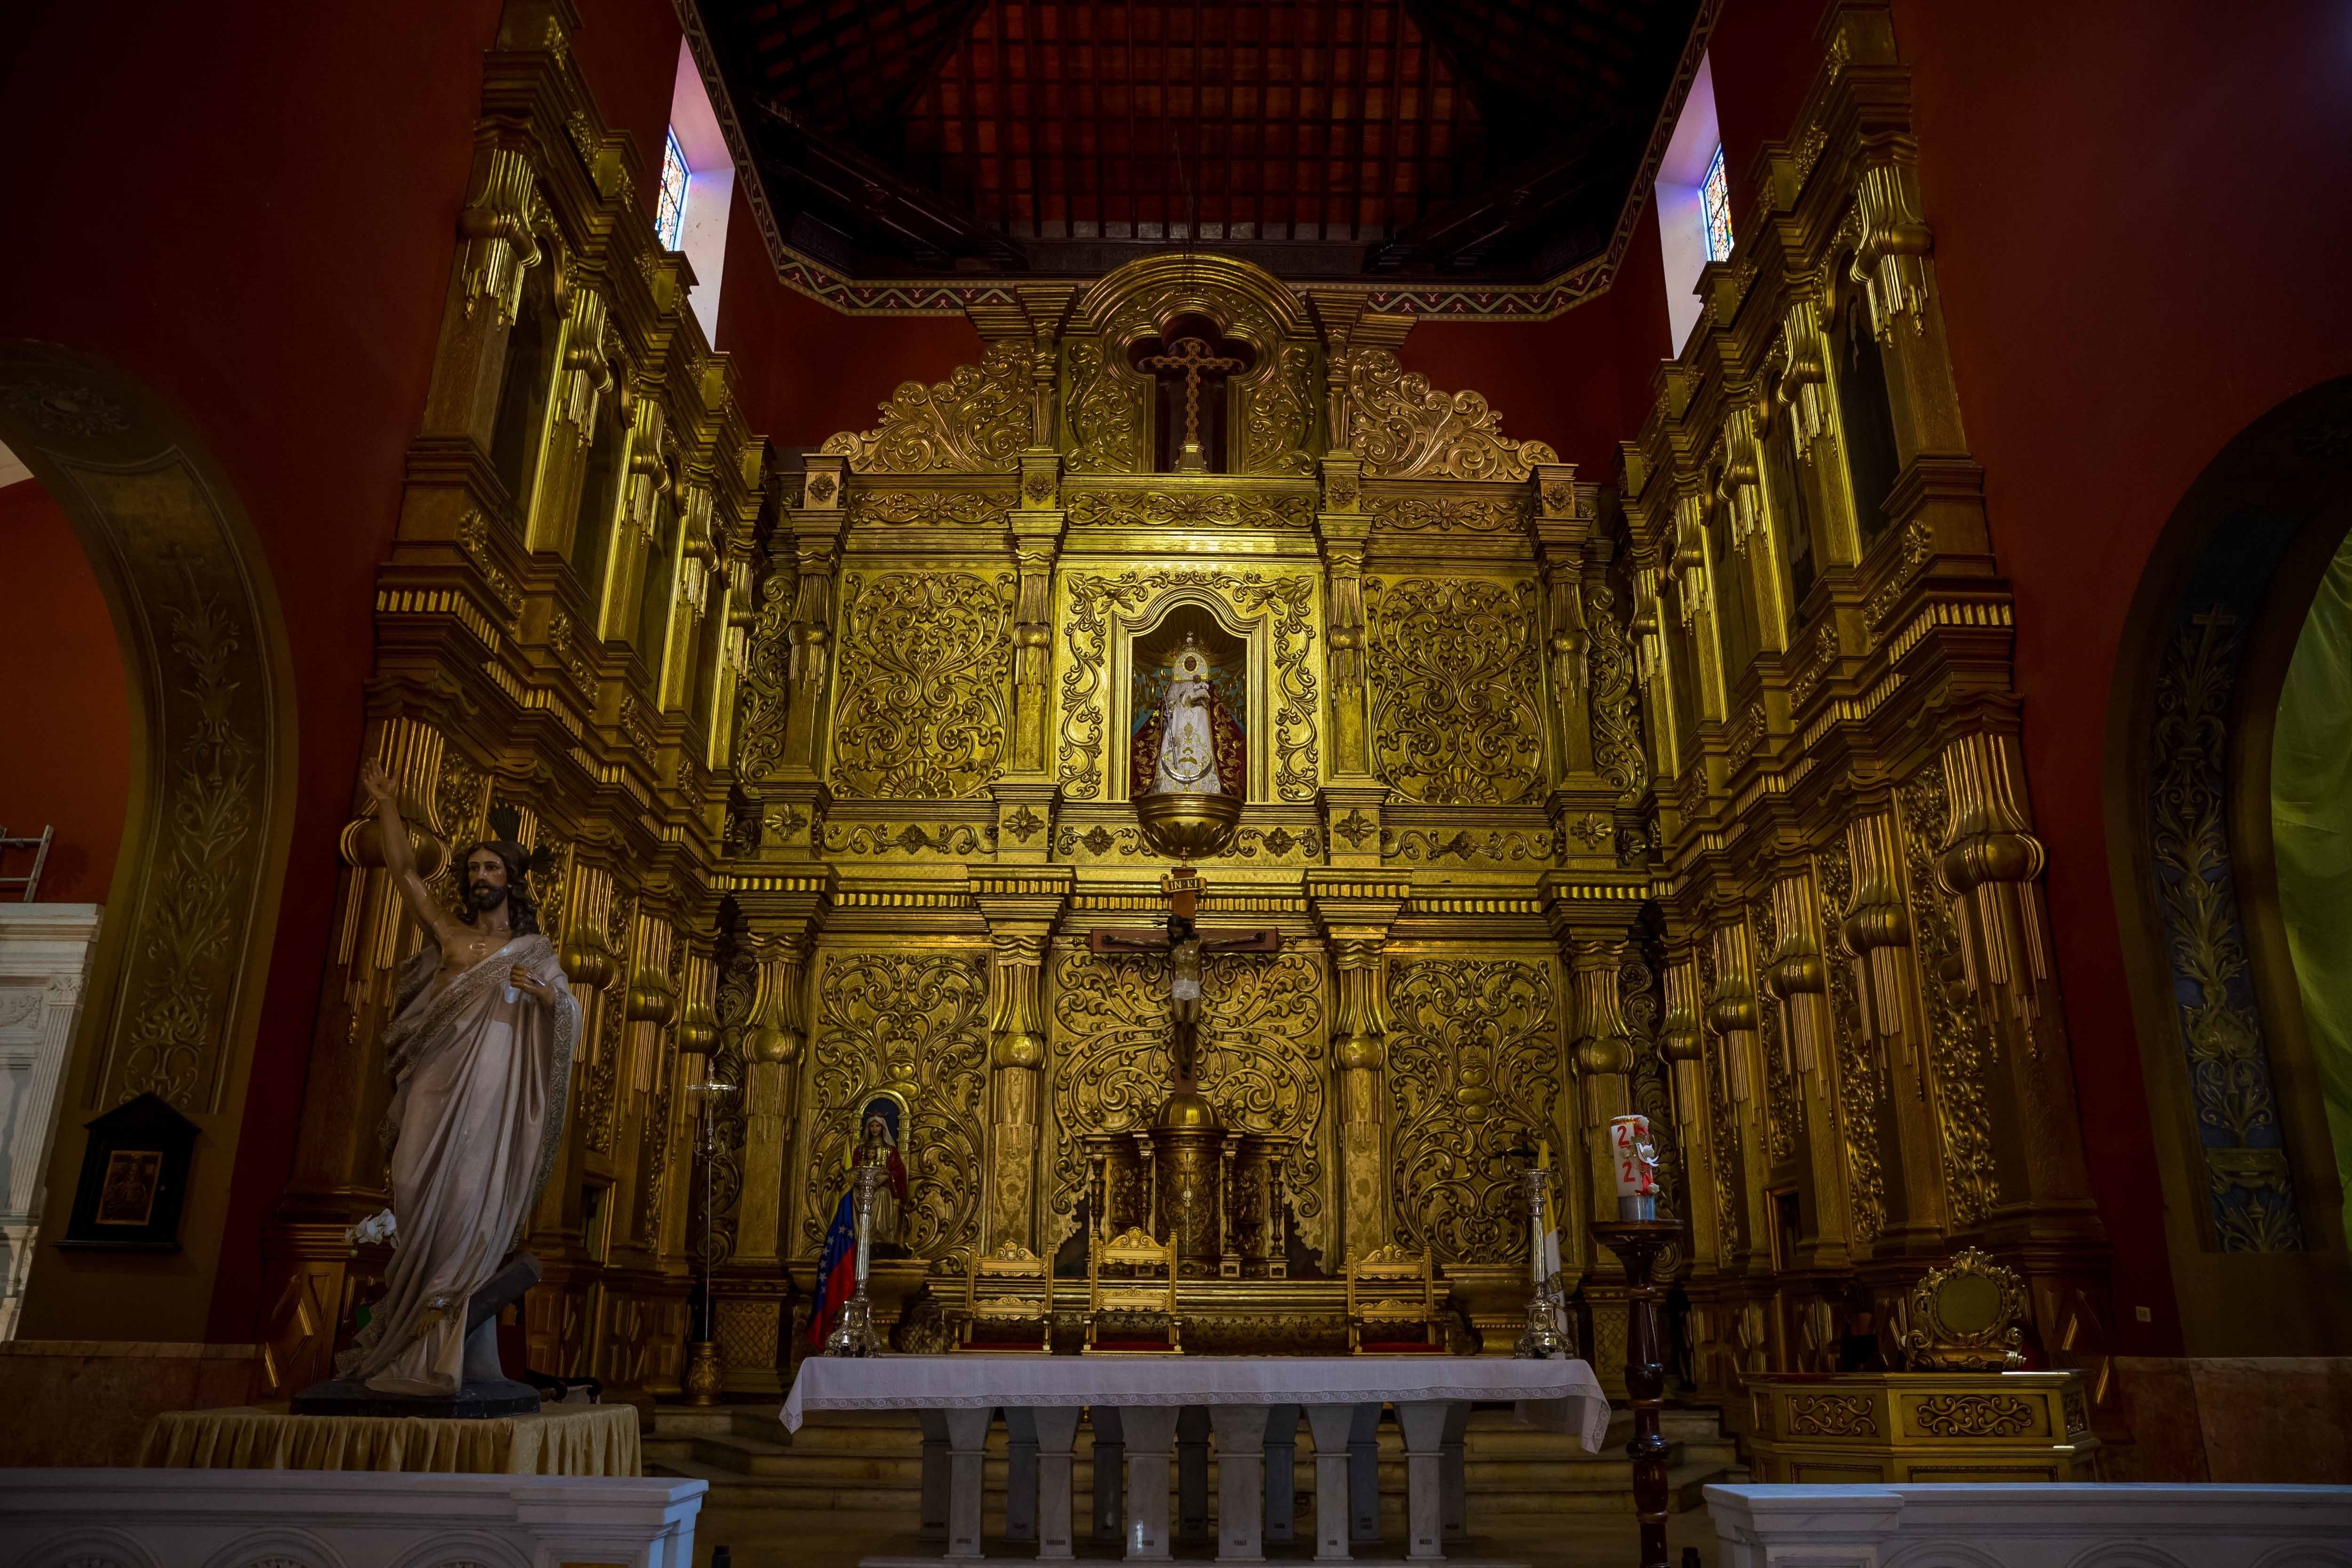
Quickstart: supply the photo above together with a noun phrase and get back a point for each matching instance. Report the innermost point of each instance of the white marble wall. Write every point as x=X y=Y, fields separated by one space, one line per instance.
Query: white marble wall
x=45 y=952
x=320 y=1518
x=2033 y=1525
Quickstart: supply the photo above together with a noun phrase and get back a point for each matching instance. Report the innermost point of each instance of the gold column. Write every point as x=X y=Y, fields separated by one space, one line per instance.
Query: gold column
x=1887 y=990
x=796 y=798
x=771 y=1049
x=1353 y=799
x=1027 y=795
x=1990 y=866
x=1356 y=913
x=1799 y=979
x=1021 y=909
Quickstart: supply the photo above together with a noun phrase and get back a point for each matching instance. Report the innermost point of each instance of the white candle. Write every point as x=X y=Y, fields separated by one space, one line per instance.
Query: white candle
x=1631 y=1157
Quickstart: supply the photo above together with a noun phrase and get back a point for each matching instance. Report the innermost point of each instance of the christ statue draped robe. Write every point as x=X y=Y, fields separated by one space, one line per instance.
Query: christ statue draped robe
x=481 y=1073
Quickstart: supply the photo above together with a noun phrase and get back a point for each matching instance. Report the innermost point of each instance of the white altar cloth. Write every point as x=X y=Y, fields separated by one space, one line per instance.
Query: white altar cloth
x=1557 y=1395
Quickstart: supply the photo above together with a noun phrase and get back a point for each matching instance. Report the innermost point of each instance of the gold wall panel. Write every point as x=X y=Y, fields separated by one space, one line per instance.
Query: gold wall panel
x=1456 y=716
x=916 y=1022
x=1474 y=1069
x=1096 y=609
x=1262 y=1064
x=925 y=676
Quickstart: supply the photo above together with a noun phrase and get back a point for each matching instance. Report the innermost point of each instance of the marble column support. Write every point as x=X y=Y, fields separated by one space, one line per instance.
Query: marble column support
x=1240 y=1480
x=1151 y=1435
x=1329 y=1424
x=1424 y=1423
x=1056 y=1429
x=968 y=1458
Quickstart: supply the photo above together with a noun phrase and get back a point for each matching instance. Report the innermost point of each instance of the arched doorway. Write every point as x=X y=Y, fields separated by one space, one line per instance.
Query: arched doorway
x=2211 y=693
x=175 y=985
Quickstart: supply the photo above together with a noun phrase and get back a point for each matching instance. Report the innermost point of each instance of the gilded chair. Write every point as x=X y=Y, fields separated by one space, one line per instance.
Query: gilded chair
x=1139 y=1289
x=1393 y=1304
x=1017 y=1313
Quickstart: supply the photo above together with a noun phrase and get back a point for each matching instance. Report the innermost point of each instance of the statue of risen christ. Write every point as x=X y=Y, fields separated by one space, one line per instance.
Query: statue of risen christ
x=480 y=1048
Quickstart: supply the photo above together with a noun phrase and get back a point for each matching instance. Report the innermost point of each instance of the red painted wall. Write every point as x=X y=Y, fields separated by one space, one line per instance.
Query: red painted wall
x=804 y=369
x=271 y=255
x=1581 y=381
x=63 y=702
x=2139 y=232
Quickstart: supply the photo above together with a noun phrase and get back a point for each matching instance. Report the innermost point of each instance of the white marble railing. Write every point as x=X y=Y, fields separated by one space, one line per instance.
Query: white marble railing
x=324 y=1518
x=44 y=960
x=2032 y=1525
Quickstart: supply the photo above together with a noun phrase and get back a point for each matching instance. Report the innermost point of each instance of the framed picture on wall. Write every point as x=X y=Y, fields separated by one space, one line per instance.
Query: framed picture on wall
x=134 y=1179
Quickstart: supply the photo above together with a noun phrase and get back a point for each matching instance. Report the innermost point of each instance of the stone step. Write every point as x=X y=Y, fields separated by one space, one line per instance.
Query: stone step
x=855 y=1462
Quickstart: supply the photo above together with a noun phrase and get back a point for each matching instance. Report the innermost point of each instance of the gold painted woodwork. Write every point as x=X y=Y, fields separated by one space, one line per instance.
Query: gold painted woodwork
x=1906 y=1428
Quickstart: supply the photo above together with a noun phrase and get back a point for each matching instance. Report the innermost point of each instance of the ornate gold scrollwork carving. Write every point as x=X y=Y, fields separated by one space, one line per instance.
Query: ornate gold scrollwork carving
x=975 y=421
x=1616 y=714
x=1416 y=846
x=1859 y=1068
x=1262 y=1028
x=1957 y=1040
x=1473 y=1071
x=1106 y=413
x=925 y=665
x=1402 y=429
x=1456 y=714
x=1287 y=601
x=1962 y=1317
x=1189 y=508
x=927 y=509
x=1505 y=514
x=1277 y=419
x=1831 y=1416
x=1990 y=864
x=1784 y=1099
x=916 y=1023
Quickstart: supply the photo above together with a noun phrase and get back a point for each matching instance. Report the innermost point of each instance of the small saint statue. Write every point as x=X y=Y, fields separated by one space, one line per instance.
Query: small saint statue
x=479 y=1049
x=1191 y=743
x=877 y=1145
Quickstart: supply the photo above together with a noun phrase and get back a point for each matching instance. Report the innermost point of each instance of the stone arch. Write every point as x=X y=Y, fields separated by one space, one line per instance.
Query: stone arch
x=177 y=981
x=2252 y=1196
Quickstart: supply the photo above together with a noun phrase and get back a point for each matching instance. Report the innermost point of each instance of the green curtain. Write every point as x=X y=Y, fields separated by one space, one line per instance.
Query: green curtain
x=2311 y=825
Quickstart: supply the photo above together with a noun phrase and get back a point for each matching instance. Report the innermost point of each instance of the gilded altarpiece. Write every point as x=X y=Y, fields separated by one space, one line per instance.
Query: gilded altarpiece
x=1426 y=676
x=1860 y=998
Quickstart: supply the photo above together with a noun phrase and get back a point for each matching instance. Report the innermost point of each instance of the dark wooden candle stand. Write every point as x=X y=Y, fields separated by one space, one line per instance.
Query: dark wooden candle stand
x=1637 y=1244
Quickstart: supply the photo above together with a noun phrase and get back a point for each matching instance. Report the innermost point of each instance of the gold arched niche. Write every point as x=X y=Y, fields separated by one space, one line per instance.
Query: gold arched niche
x=176 y=985
x=1273 y=419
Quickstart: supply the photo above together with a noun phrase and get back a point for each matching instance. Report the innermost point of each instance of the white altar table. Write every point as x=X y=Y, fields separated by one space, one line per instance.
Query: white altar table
x=1144 y=1411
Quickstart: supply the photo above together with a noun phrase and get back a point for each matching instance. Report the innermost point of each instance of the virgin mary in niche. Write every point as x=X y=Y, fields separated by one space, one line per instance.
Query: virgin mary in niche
x=1190 y=707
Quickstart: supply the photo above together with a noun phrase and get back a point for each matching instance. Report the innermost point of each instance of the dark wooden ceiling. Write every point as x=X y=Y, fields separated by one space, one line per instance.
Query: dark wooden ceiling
x=1454 y=139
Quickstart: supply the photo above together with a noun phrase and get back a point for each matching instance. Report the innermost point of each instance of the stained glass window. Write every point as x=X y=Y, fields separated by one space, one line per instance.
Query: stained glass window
x=1715 y=208
x=671 y=217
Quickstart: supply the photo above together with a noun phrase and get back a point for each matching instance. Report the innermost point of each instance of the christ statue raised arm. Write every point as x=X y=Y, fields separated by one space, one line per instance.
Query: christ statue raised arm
x=479 y=1049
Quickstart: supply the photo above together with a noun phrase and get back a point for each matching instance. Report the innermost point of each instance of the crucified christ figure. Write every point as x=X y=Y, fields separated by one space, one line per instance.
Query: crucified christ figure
x=1185 y=947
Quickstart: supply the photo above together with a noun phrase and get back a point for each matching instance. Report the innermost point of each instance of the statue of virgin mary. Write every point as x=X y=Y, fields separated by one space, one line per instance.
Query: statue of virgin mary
x=1191 y=744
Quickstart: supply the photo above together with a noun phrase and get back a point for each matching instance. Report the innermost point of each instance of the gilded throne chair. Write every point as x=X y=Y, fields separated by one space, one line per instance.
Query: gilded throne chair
x=1131 y=1297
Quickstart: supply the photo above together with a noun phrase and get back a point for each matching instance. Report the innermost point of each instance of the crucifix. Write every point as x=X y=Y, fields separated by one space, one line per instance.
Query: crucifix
x=1185 y=946
x=1193 y=357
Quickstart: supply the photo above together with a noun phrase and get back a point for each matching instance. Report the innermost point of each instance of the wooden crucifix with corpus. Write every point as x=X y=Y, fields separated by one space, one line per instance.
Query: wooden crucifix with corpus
x=1185 y=945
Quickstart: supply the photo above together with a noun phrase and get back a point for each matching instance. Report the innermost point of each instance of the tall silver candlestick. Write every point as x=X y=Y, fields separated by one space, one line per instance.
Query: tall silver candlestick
x=853 y=1335
x=1542 y=1340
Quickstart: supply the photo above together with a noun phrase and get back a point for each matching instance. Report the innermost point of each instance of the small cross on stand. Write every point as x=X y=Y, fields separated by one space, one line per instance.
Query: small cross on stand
x=1193 y=356
x=1185 y=947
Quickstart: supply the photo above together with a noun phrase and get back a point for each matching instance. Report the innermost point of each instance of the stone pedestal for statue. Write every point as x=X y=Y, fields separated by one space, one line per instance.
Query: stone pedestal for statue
x=480 y=1396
